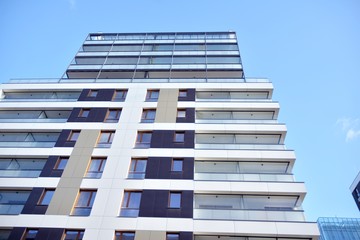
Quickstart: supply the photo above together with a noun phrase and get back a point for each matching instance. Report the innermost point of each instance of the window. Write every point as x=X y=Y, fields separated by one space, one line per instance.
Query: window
x=172 y=236
x=179 y=137
x=137 y=168
x=152 y=95
x=61 y=163
x=73 y=235
x=119 y=95
x=130 y=205
x=143 y=139
x=96 y=167
x=181 y=113
x=177 y=165
x=74 y=135
x=148 y=116
x=124 y=236
x=174 y=200
x=92 y=93
x=84 y=113
x=105 y=139
x=46 y=197
x=182 y=93
x=84 y=203
x=113 y=115
x=30 y=234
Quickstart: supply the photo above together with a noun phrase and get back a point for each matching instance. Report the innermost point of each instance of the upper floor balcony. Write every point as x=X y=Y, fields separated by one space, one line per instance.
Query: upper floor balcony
x=51 y=116
x=40 y=96
x=235 y=116
x=28 y=139
x=21 y=167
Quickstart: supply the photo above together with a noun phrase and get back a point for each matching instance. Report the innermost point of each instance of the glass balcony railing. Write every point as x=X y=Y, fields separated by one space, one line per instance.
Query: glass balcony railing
x=256 y=177
x=20 y=173
x=252 y=215
x=234 y=146
x=27 y=144
x=11 y=209
x=34 y=120
x=238 y=121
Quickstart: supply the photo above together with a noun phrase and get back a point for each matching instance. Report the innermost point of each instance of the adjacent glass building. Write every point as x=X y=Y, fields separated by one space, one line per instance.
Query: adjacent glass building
x=339 y=228
x=148 y=136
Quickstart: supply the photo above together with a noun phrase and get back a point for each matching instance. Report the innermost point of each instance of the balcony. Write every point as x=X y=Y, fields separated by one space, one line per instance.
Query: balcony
x=251 y=177
x=239 y=141
x=221 y=96
x=21 y=167
x=28 y=139
x=41 y=96
x=21 y=116
x=241 y=117
x=249 y=215
x=12 y=202
x=247 y=207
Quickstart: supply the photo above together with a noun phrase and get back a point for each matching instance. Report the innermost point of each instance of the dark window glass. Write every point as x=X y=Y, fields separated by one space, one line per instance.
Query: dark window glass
x=84 y=203
x=84 y=113
x=172 y=236
x=177 y=165
x=105 y=139
x=74 y=135
x=119 y=95
x=148 y=115
x=113 y=115
x=124 y=235
x=137 y=168
x=46 y=197
x=143 y=139
x=73 y=235
x=61 y=163
x=130 y=205
x=175 y=200
x=179 y=137
x=152 y=95
x=181 y=113
x=92 y=93
x=96 y=168
x=30 y=234
x=182 y=93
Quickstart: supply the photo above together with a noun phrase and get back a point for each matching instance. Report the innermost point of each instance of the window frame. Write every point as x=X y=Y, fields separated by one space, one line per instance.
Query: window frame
x=178 y=133
x=43 y=195
x=181 y=113
x=79 y=233
x=122 y=98
x=58 y=161
x=149 y=94
x=169 y=238
x=183 y=93
x=126 y=202
x=25 y=236
x=84 y=113
x=72 y=134
x=171 y=200
x=145 y=113
x=139 y=139
x=108 y=142
x=121 y=235
x=134 y=172
x=93 y=93
x=173 y=164
x=100 y=168
x=117 y=117
x=87 y=206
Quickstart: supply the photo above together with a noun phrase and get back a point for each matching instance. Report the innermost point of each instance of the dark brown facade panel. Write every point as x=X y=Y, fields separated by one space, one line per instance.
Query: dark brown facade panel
x=161 y=168
x=190 y=95
x=63 y=139
x=165 y=139
x=189 y=116
x=101 y=95
x=42 y=234
x=154 y=203
x=49 y=168
x=95 y=115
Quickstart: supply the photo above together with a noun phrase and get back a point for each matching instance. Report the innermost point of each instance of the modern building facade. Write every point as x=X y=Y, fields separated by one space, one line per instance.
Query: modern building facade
x=150 y=136
x=355 y=190
x=333 y=228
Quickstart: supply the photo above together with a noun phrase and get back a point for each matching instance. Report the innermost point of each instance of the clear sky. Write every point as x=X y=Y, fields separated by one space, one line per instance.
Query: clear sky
x=309 y=49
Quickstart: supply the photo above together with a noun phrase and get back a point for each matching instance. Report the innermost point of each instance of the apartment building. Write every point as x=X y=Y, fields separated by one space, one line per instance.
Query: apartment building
x=148 y=136
x=355 y=190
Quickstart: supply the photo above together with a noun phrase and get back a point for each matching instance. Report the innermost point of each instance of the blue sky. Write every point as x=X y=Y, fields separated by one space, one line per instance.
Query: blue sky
x=309 y=49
